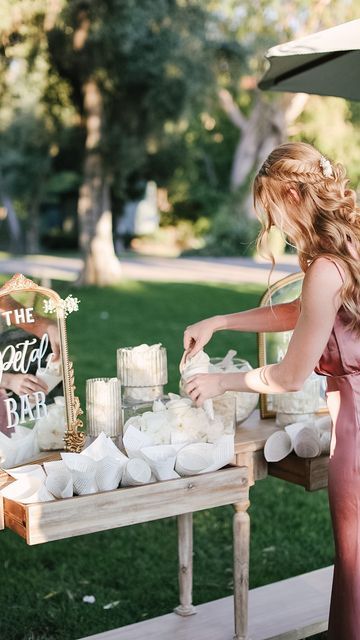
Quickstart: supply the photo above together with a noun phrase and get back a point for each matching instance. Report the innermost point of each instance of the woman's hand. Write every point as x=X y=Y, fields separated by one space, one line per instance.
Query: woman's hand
x=23 y=383
x=204 y=386
x=197 y=335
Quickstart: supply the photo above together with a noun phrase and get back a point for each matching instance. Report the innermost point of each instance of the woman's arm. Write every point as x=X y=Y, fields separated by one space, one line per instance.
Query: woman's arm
x=279 y=317
x=320 y=302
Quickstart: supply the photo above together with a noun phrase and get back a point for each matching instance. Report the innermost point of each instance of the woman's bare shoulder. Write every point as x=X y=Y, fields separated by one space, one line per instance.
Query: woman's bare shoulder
x=323 y=281
x=327 y=266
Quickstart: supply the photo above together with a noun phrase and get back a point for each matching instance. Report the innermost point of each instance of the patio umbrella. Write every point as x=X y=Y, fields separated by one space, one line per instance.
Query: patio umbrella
x=326 y=63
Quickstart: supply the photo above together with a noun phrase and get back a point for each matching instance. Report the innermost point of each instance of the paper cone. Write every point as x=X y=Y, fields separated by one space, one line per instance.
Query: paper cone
x=295 y=428
x=27 y=490
x=194 y=458
x=109 y=472
x=50 y=379
x=223 y=453
x=325 y=442
x=161 y=459
x=103 y=447
x=134 y=440
x=79 y=462
x=55 y=466
x=60 y=485
x=34 y=470
x=137 y=471
x=84 y=482
x=277 y=446
x=307 y=443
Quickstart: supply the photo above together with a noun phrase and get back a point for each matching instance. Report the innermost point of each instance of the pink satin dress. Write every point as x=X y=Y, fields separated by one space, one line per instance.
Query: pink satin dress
x=340 y=362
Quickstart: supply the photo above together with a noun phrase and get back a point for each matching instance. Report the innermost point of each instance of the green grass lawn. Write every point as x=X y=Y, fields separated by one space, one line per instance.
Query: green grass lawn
x=43 y=586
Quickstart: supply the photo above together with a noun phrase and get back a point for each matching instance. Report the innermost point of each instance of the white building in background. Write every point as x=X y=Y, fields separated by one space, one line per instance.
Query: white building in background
x=140 y=217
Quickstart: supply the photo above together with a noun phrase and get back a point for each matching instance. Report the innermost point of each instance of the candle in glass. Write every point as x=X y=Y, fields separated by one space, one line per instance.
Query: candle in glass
x=103 y=407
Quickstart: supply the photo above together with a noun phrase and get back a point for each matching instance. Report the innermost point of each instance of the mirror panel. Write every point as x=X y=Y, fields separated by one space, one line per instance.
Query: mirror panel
x=272 y=346
x=38 y=409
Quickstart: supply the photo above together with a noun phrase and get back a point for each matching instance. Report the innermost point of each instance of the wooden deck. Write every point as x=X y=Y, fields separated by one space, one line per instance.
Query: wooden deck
x=290 y=609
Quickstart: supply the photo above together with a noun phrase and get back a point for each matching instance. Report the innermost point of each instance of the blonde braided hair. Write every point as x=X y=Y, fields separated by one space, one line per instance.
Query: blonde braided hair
x=317 y=212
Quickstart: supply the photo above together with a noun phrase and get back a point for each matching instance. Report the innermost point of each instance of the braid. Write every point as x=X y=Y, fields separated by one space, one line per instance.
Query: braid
x=294 y=172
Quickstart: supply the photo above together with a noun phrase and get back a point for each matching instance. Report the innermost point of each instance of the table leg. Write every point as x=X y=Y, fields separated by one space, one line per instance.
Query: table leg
x=241 y=537
x=185 y=545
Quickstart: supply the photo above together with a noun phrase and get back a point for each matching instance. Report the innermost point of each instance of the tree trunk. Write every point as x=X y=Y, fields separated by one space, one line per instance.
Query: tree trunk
x=101 y=266
x=266 y=127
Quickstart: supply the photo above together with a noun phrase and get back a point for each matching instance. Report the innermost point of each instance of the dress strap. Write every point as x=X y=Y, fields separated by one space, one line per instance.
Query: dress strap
x=340 y=270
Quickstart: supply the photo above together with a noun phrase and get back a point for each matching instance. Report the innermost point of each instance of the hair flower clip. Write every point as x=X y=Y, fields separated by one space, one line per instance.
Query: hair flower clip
x=326 y=167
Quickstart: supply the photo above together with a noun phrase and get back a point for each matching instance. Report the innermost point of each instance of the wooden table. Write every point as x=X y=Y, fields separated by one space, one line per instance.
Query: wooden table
x=42 y=522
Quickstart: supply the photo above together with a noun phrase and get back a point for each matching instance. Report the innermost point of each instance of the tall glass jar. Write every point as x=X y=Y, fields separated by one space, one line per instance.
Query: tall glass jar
x=143 y=372
x=103 y=409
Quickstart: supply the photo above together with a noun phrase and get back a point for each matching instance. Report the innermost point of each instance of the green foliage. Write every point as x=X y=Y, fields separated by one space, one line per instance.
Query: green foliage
x=25 y=157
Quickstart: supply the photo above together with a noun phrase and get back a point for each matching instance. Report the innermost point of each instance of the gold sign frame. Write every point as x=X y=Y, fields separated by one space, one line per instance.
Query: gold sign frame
x=73 y=439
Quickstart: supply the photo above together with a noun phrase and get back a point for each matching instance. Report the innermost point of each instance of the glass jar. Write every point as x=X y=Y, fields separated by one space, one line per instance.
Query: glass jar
x=143 y=372
x=245 y=402
x=103 y=407
x=298 y=406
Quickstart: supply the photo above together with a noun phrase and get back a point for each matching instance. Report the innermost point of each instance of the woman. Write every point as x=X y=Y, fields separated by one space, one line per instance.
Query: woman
x=303 y=194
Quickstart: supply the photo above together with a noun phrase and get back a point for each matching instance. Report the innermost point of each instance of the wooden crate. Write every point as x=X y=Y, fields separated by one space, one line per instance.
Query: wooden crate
x=44 y=521
x=310 y=473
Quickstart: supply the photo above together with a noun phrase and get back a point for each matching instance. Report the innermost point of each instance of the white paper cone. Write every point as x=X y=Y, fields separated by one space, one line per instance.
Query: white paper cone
x=29 y=489
x=209 y=409
x=84 y=482
x=161 y=459
x=21 y=446
x=34 y=470
x=194 y=458
x=109 y=472
x=103 y=447
x=60 y=485
x=324 y=423
x=41 y=495
x=295 y=428
x=134 y=440
x=55 y=466
x=223 y=453
x=137 y=471
x=325 y=441
x=307 y=443
x=277 y=446
x=79 y=462
x=50 y=379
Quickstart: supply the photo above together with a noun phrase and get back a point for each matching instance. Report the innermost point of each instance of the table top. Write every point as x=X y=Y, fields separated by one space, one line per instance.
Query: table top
x=252 y=434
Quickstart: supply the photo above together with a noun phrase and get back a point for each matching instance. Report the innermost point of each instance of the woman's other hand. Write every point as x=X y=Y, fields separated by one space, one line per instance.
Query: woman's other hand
x=204 y=386
x=23 y=383
x=197 y=335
